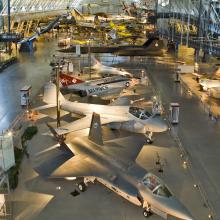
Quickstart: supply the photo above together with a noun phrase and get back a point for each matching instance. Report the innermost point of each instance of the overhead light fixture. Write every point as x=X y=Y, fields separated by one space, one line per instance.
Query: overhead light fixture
x=163 y=3
x=9 y=133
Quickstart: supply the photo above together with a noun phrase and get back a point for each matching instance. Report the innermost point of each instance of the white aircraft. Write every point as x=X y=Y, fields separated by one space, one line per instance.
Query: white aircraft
x=104 y=86
x=128 y=118
x=214 y=92
x=209 y=83
x=108 y=70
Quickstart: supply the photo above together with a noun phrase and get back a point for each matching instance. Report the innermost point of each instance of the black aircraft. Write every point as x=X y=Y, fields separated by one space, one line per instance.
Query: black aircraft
x=153 y=46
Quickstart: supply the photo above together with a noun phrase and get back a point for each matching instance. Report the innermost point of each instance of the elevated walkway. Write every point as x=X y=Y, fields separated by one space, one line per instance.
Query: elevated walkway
x=209 y=47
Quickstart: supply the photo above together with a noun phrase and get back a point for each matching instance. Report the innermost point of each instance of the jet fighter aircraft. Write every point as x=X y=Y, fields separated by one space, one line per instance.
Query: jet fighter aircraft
x=100 y=87
x=112 y=163
x=108 y=70
x=128 y=118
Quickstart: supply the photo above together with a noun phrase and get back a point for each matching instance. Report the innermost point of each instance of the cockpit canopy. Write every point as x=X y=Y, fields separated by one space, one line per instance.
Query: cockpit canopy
x=139 y=113
x=156 y=185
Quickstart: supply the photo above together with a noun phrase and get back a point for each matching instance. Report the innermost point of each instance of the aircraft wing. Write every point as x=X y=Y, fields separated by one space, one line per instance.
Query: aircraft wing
x=81 y=166
x=112 y=93
x=85 y=122
x=127 y=148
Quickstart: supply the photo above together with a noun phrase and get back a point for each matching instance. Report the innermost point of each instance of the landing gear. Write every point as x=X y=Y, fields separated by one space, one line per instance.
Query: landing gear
x=127 y=84
x=149 y=138
x=82 y=187
x=149 y=141
x=147 y=213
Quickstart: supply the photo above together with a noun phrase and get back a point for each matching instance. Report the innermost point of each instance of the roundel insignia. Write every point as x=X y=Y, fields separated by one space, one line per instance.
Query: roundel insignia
x=95 y=125
x=74 y=80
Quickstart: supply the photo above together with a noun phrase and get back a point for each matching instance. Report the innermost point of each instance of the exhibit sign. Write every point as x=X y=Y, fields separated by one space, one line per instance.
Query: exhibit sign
x=78 y=51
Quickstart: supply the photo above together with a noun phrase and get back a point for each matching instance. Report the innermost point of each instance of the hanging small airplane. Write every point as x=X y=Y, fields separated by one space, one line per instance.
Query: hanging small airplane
x=100 y=87
x=112 y=163
x=127 y=118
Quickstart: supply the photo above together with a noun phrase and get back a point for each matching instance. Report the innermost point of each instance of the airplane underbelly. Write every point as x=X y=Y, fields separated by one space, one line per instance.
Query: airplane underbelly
x=159 y=212
x=118 y=191
x=132 y=126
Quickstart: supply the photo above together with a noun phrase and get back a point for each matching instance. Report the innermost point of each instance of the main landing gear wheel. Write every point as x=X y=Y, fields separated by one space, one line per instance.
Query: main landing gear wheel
x=147 y=213
x=127 y=84
x=149 y=138
x=82 y=187
x=149 y=141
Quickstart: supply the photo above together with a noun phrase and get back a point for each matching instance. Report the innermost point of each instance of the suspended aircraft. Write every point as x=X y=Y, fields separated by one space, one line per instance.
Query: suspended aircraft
x=152 y=47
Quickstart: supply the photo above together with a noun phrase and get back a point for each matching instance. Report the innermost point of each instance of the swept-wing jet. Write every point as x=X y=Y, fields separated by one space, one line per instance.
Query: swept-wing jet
x=112 y=163
x=209 y=83
x=105 y=86
x=128 y=118
x=108 y=70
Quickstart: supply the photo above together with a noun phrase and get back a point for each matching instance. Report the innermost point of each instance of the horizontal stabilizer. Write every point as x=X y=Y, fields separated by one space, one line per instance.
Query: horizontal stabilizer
x=43 y=107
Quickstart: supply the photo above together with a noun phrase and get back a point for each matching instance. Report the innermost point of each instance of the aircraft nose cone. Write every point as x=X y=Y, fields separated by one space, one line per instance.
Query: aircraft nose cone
x=179 y=211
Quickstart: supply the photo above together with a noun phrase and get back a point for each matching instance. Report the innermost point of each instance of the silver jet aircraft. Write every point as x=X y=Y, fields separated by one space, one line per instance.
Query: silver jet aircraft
x=113 y=164
x=128 y=118
x=100 y=87
x=108 y=70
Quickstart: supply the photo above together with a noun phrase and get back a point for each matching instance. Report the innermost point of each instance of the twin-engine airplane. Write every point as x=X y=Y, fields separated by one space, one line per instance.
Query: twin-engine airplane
x=101 y=87
x=128 y=118
x=112 y=163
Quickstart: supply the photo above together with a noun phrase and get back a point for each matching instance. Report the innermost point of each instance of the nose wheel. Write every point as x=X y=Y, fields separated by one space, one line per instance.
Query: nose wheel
x=149 y=139
x=147 y=213
x=82 y=187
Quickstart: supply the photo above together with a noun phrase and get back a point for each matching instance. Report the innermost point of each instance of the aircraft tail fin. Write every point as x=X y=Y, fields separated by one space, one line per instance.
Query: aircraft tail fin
x=96 y=62
x=50 y=94
x=67 y=80
x=95 y=133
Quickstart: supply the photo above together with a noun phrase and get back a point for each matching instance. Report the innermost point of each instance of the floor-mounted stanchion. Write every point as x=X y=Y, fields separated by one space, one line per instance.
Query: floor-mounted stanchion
x=58 y=67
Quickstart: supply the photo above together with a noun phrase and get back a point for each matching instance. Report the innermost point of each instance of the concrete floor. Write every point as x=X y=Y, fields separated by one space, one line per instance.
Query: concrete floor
x=197 y=133
x=31 y=69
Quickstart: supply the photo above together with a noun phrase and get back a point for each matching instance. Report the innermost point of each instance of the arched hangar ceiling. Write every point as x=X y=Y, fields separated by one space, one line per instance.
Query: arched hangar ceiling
x=32 y=6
